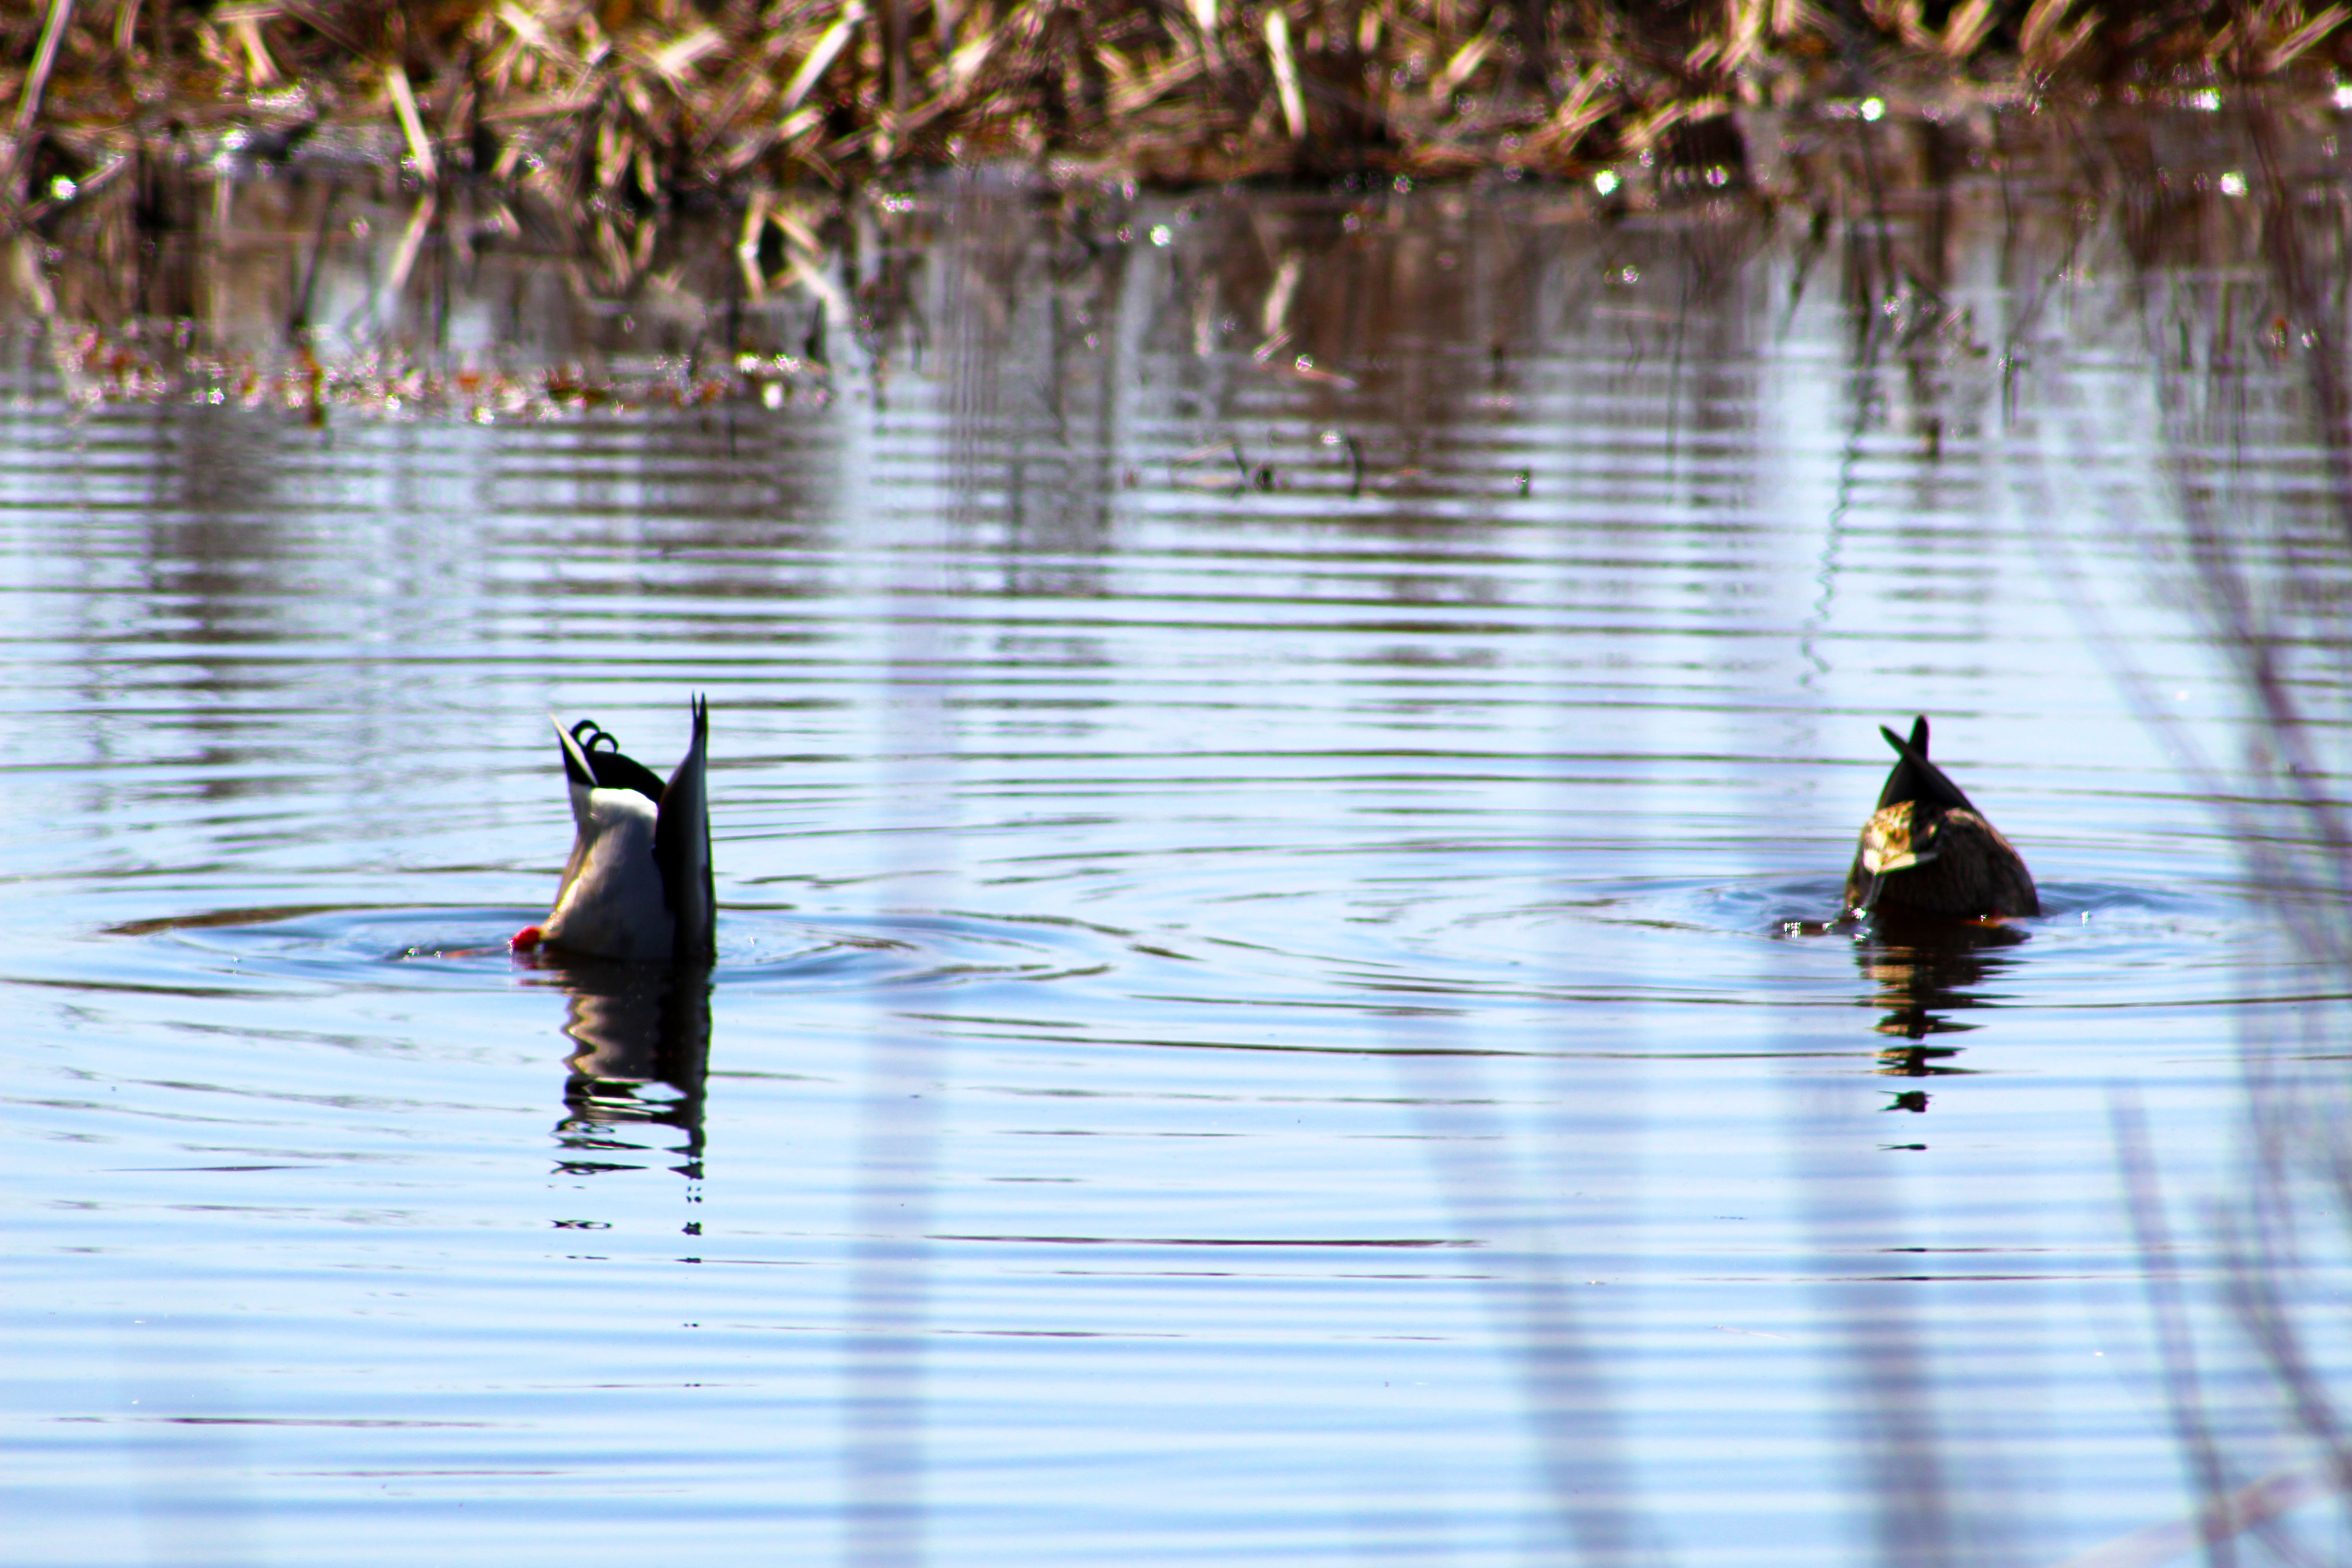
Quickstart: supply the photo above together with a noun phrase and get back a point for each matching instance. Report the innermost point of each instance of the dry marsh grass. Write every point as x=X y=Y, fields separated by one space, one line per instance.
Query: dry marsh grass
x=636 y=103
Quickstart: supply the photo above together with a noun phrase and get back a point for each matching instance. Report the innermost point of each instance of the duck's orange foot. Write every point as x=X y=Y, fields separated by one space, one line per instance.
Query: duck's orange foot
x=529 y=937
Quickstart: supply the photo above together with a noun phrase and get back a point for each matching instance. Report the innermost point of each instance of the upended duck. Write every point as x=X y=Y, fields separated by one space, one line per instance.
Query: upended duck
x=638 y=886
x=1927 y=851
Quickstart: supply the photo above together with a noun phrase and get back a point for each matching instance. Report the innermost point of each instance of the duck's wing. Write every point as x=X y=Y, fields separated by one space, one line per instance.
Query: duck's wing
x=682 y=848
x=1917 y=778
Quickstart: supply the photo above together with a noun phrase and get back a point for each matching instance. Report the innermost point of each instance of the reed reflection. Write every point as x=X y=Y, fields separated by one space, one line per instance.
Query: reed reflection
x=1925 y=972
x=636 y=1030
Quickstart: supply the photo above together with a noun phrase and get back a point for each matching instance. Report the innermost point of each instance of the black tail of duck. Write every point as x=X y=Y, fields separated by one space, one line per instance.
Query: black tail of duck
x=1927 y=851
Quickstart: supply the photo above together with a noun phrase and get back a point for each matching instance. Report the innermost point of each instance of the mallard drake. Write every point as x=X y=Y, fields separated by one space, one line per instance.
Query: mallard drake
x=1927 y=849
x=638 y=885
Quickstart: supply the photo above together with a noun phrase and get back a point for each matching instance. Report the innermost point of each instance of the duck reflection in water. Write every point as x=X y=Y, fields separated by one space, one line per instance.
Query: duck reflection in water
x=1938 y=882
x=1925 y=972
x=635 y=1029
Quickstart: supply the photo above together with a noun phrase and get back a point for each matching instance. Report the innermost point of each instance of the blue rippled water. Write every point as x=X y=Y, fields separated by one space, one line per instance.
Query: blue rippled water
x=1274 y=1003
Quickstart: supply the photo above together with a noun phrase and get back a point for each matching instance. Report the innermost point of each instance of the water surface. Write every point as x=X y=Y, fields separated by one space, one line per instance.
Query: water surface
x=1277 y=767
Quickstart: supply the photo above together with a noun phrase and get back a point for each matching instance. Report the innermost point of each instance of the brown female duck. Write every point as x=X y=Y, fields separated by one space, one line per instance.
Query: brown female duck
x=1926 y=851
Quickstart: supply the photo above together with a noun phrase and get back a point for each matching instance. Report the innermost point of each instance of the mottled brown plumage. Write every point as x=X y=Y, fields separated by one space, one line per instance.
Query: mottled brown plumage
x=1927 y=849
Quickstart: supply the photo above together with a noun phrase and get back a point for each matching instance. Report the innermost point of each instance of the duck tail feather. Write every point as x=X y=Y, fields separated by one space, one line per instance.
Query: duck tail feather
x=1917 y=778
x=682 y=847
x=579 y=773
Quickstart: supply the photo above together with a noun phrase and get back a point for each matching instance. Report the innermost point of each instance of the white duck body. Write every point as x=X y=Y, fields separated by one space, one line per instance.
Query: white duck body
x=638 y=886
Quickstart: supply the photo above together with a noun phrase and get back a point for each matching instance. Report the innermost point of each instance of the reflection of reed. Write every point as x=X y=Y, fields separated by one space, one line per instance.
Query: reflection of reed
x=1570 y=1396
x=2242 y=322
x=313 y=297
x=1032 y=456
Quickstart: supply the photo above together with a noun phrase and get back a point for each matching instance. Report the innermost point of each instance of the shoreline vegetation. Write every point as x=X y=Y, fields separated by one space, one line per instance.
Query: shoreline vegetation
x=631 y=106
